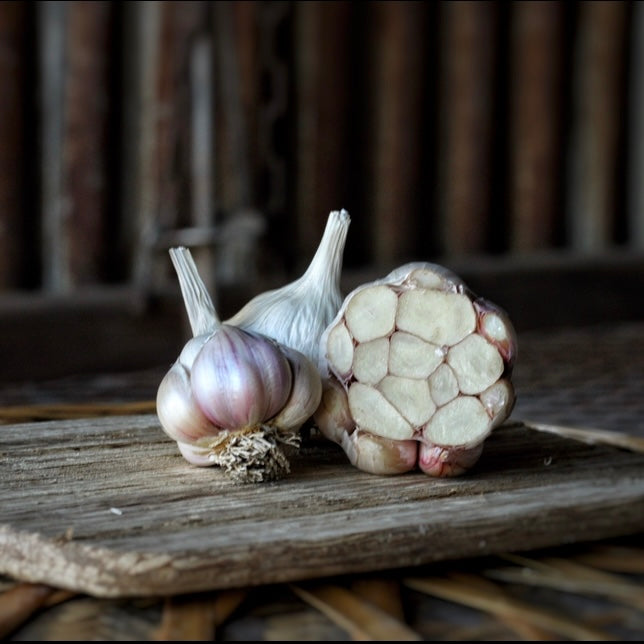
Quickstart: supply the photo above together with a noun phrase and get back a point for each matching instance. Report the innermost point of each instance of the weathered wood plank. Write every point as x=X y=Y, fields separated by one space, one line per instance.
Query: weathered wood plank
x=108 y=507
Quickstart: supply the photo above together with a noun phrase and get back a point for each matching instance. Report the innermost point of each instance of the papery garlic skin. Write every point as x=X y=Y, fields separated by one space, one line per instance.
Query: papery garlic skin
x=179 y=414
x=418 y=373
x=306 y=392
x=295 y=315
x=240 y=379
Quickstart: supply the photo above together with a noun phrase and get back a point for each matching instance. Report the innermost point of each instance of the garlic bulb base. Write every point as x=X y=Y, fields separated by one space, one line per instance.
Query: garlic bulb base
x=255 y=454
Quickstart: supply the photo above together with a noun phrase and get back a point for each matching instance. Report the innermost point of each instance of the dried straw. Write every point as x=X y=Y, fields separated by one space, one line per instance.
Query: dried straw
x=361 y=619
x=591 y=436
x=20 y=602
x=469 y=590
x=196 y=617
x=569 y=576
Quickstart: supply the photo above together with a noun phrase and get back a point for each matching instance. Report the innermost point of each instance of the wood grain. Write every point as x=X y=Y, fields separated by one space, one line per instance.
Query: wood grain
x=108 y=507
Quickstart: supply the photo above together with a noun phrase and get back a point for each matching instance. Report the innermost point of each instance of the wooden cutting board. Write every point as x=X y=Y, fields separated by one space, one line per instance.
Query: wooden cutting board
x=108 y=507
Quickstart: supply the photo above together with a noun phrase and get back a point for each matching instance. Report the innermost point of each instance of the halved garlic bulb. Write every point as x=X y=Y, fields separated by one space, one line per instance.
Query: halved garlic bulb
x=417 y=373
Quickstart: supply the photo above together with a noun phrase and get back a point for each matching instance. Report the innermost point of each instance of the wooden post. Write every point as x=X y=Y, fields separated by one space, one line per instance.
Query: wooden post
x=597 y=118
x=635 y=183
x=467 y=96
x=322 y=78
x=536 y=114
x=52 y=31
x=397 y=71
x=13 y=21
x=88 y=102
x=202 y=153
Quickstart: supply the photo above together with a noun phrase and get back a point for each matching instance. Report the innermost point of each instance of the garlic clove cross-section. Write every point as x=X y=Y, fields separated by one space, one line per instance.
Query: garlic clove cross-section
x=417 y=373
x=234 y=398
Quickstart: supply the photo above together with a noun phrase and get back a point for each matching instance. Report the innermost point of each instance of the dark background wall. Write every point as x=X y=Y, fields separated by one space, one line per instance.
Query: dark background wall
x=451 y=131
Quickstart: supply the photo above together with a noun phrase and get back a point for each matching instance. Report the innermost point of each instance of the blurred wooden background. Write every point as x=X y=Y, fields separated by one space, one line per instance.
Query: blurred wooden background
x=453 y=132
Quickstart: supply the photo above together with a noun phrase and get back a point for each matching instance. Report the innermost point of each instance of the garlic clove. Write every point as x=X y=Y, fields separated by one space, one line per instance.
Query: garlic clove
x=240 y=379
x=179 y=414
x=446 y=462
x=333 y=416
x=191 y=349
x=495 y=325
x=498 y=401
x=199 y=456
x=306 y=392
x=462 y=422
x=378 y=455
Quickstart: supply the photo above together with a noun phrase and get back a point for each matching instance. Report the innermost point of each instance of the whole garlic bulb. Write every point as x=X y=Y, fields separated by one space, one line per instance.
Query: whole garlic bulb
x=296 y=314
x=234 y=398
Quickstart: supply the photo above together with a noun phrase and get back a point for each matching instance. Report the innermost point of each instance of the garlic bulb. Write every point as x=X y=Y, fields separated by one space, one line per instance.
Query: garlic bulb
x=417 y=373
x=296 y=314
x=234 y=398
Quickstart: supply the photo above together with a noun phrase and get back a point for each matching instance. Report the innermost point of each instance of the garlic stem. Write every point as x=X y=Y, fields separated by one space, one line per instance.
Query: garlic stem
x=199 y=306
x=295 y=315
x=323 y=273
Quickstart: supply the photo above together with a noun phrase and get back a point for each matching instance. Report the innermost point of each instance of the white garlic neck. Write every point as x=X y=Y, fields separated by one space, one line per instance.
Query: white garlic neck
x=199 y=305
x=324 y=270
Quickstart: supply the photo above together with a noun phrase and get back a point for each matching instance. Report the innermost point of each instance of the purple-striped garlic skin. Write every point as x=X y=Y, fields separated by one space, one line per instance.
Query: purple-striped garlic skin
x=443 y=462
x=240 y=379
x=180 y=415
x=234 y=381
x=418 y=373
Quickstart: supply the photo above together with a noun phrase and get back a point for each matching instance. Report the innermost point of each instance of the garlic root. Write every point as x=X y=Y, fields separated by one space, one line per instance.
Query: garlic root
x=255 y=455
x=417 y=373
